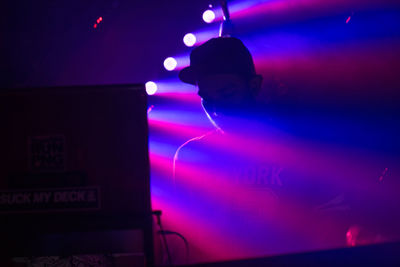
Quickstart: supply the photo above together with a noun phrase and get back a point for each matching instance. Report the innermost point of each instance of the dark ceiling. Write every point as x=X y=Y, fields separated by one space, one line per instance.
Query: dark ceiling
x=53 y=42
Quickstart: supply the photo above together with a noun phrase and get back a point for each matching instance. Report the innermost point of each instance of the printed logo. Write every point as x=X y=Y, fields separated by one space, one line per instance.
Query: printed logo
x=47 y=153
x=51 y=199
x=259 y=176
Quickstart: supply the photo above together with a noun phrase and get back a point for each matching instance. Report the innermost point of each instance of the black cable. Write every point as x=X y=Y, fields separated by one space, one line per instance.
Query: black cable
x=224 y=6
x=166 y=232
x=158 y=213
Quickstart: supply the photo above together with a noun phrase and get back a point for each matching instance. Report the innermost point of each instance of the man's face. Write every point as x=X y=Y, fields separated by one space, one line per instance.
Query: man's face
x=224 y=95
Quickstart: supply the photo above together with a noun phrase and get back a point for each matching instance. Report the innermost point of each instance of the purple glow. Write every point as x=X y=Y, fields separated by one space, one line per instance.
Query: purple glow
x=175 y=86
x=181 y=61
x=179 y=120
x=295 y=57
x=205 y=35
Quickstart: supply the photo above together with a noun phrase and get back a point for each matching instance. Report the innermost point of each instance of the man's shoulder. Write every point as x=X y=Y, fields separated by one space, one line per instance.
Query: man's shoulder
x=194 y=147
x=197 y=142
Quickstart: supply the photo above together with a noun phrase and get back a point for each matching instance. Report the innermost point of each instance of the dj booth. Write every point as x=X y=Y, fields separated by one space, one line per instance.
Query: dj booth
x=74 y=172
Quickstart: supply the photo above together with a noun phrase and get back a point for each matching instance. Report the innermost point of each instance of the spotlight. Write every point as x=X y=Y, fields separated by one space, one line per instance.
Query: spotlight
x=151 y=88
x=208 y=16
x=189 y=39
x=170 y=63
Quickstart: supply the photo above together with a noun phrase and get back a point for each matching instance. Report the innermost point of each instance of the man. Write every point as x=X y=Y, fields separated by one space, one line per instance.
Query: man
x=224 y=72
x=252 y=187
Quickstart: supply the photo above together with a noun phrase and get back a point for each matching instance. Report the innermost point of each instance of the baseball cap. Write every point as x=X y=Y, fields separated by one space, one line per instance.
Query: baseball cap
x=222 y=55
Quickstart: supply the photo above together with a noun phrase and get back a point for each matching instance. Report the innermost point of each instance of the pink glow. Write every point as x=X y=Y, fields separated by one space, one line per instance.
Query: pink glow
x=300 y=8
x=290 y=219
x=205 y=35
x=182 y=61
x=161 y=162
x=205 y=238
x=348 y=19
x=183 y=97
x=175 y=86
x=150 y=109
x=305 y=157
x=175 y=128
x=310 y=68
x=95 y=26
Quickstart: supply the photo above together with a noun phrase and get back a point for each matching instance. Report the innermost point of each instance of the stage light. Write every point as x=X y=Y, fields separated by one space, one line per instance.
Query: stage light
x=170 y=63
x=189 y=39
x=151 y=88
x=208 y=16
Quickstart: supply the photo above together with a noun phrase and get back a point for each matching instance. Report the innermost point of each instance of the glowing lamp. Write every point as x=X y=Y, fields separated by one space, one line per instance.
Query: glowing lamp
x=170 y=63
x=189 y=39
x=208 y=16
x=151 y=88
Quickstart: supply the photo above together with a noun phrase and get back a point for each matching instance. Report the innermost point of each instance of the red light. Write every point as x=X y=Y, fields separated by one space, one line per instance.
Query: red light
x=95 y=25
x=100 y=18
x=348 y=19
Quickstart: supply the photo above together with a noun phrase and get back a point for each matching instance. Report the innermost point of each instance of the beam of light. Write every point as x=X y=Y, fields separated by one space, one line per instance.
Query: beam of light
x=172 y=86
x=182 y=61
x=151 y=88
x=206 y=34
x=176 y=63
x=170 y=63
x=328 y=161
x=179 y=215
x=213 y=185
x=176 y=129
x=199 y=201
x=313 y=58
x=160 y=148
x=187 y=98
x=208 y=16
x=308 y=57
x=284 y=148
x=189 y=39
x=305 y=8
x=237 y=6
x=208 y=188
x=180 y=116
x=315 y=67
x=199 y=229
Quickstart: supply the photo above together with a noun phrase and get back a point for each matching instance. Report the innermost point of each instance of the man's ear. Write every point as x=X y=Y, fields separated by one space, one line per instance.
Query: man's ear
x=255 y=84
